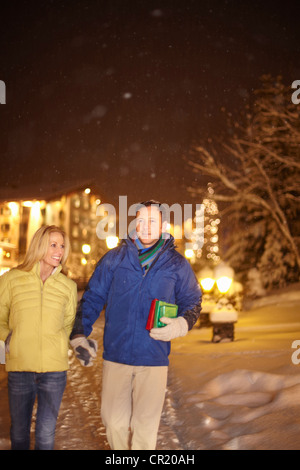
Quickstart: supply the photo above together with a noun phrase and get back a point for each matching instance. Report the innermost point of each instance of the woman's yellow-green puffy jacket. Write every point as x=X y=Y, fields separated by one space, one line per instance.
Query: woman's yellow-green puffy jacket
x=40 y=318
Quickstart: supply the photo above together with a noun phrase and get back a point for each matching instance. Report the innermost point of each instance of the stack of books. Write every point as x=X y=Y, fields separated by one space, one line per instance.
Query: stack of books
x=160 y=309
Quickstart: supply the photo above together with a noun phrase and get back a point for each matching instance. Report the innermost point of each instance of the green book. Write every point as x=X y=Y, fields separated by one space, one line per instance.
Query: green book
x=163 y=309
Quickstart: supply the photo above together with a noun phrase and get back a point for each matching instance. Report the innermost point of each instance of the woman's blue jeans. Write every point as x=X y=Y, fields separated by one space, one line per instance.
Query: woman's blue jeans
x=23 y=388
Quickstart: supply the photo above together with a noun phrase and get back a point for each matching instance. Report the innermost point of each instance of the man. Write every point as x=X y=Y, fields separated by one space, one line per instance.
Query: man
x=142 y=268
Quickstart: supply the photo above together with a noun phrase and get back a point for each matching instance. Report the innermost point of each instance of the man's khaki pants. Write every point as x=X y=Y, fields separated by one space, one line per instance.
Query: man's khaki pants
x=131 y=404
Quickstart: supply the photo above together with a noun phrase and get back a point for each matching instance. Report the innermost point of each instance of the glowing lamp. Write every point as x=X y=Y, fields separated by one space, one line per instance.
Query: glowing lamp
x=27 y=204
x=223 y=284
x=224 y=276
x=14 y=207
x=206 y=279
x=111 y=242
x=86 y=249
x=207 y=284
x=189 y=254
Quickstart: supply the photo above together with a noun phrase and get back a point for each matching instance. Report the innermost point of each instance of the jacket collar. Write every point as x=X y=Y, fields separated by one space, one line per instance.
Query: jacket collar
x=37 y=270
x=129 y=241
x=133 y=251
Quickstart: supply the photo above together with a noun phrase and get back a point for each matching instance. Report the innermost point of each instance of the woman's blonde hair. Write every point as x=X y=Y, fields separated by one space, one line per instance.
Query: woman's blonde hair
x=39 y=245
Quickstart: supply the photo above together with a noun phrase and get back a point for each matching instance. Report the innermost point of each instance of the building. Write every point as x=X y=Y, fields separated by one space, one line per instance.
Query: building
x=72 y=209
x=9 y=235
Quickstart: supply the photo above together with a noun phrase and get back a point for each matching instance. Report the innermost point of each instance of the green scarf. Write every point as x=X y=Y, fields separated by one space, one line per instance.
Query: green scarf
x=148 y=255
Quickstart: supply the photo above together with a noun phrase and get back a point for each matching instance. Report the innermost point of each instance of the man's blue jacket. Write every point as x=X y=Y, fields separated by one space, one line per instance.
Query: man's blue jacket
x=118 y=283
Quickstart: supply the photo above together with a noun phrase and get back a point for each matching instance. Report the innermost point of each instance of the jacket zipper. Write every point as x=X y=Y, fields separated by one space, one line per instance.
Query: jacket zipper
x=41 y=327
x=141 y=286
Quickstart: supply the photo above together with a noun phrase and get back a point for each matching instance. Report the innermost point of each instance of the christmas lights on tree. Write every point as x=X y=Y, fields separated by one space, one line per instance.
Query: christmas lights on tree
x=205 y=238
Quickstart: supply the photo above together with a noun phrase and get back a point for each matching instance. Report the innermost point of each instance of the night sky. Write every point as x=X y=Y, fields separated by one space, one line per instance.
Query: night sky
x=118 y=91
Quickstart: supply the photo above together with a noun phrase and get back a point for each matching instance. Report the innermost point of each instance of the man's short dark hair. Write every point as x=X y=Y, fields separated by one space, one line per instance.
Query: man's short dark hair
x=154 y=203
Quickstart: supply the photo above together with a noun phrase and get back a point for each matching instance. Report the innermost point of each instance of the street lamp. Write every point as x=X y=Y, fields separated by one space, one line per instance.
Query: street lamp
x=207 y=282
x=206 y=277
x=223 y=284
x=224 y=277
x=224 y=315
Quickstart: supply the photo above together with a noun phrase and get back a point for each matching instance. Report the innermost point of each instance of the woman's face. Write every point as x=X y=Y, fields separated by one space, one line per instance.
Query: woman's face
x=55 y=251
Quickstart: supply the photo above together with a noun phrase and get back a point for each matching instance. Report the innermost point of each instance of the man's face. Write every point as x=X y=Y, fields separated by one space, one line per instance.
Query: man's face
x=148 y=225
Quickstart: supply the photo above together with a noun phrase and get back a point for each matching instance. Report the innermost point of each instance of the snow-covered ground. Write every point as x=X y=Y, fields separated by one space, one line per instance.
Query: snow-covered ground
x=239 y=395
x=244 y=394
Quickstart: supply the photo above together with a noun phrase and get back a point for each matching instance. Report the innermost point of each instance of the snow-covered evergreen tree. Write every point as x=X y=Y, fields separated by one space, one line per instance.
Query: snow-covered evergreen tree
x=257 y=177
x=277 y=264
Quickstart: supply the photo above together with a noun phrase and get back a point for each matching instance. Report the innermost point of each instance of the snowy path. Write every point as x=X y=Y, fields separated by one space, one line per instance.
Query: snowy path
x=79 y=426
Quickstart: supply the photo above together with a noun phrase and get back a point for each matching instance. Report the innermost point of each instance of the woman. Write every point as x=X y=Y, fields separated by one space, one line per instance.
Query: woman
x=37 y=312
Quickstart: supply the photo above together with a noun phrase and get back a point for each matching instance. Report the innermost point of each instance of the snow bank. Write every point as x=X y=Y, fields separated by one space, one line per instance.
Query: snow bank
x=243 y=395
x=236 y=411
x=252 y=394
x=288 y=295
